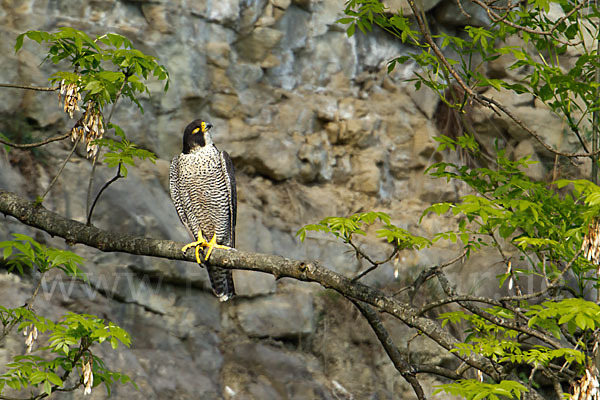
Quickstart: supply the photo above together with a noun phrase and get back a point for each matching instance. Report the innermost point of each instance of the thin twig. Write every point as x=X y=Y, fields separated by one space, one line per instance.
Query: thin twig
x=462 y=10
x=90 y=183
x=457 y=299
x=595 y=125
x=537 y=333
x=553 y=284
x=497 y=18
x=437 y=370
x=38 y=144
x=62 y=167
x=427 y=274
x=531 y=375
x=374 y=264
x=28 y=87
x=574 y=127
x=89 y=218
x=508 y=264
x=28 y=305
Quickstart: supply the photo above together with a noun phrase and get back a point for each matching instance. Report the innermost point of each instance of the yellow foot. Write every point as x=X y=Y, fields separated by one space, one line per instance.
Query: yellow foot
x=201 y=242
x=213 y=245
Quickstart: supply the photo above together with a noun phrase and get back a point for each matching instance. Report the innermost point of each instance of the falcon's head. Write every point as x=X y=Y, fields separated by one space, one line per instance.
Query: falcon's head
x=196 y=134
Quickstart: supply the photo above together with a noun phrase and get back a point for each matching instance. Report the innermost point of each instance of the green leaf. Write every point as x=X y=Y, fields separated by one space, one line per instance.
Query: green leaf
x=19 y=42
x=37 y=377
x=47 y=388
x=344 y=21
x=350 y=30
x=35 y=35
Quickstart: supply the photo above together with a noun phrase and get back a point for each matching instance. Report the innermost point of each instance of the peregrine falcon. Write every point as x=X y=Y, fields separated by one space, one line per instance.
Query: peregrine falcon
x=202 y=184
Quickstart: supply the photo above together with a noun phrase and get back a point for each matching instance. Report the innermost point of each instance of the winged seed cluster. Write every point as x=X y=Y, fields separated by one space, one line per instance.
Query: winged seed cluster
x=72 y=96
x=89 y=128
x=591 y=243
x=587 y=387
x=31 y=337
x=88 y=377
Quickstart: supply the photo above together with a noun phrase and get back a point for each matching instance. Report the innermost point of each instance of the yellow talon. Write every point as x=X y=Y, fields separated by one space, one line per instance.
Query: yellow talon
x=213 y=245
x=201 y=242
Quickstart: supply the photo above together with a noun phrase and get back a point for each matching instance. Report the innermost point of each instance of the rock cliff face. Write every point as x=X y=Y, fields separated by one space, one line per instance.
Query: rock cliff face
x=316 y=128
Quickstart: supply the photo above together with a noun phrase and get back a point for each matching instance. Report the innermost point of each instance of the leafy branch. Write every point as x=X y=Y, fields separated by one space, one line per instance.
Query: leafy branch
x=564 y=91
x=69 y=339
x=121 y=153
x=357 y=224
x=103 y=69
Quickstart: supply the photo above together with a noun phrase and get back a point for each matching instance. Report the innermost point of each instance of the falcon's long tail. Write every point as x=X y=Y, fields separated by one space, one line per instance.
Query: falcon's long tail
x=221 y=280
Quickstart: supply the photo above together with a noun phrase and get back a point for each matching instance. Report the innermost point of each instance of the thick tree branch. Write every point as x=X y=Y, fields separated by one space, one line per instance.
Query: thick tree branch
x=399 y=361
x=74 y=232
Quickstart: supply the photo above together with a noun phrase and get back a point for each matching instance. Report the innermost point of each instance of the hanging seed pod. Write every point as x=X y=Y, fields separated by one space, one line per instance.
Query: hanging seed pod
x=89 y=128
x=71 y=97
x=591 y=243
x=587 y=388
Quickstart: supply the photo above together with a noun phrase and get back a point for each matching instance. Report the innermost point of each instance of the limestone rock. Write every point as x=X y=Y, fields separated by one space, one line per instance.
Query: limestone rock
x=280 y=315
x=367 y=175
x=217 y=53
x=157 y=17
x=315 y=159
x=222 y=105
x=533 y=114
x=402 y=5
x=305 y=4
x=534 y=171
x=271 y=372
x=260 y=157
x=244 y=75
x=258 y=44
x=224 y=11
x=294 y=23
x=250 y=284
x=425 y=100
x=449 y=13
x=283 y=4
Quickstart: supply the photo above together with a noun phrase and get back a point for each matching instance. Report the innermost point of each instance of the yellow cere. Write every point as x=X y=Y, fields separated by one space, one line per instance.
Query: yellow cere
x=203 y=125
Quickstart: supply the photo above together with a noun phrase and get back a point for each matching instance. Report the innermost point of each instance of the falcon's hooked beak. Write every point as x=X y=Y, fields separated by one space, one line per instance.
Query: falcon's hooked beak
x=204 y=127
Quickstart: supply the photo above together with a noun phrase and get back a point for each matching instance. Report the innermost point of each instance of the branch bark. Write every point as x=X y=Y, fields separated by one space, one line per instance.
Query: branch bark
x=38 y=144
x=402 y=365
x=28 y=87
